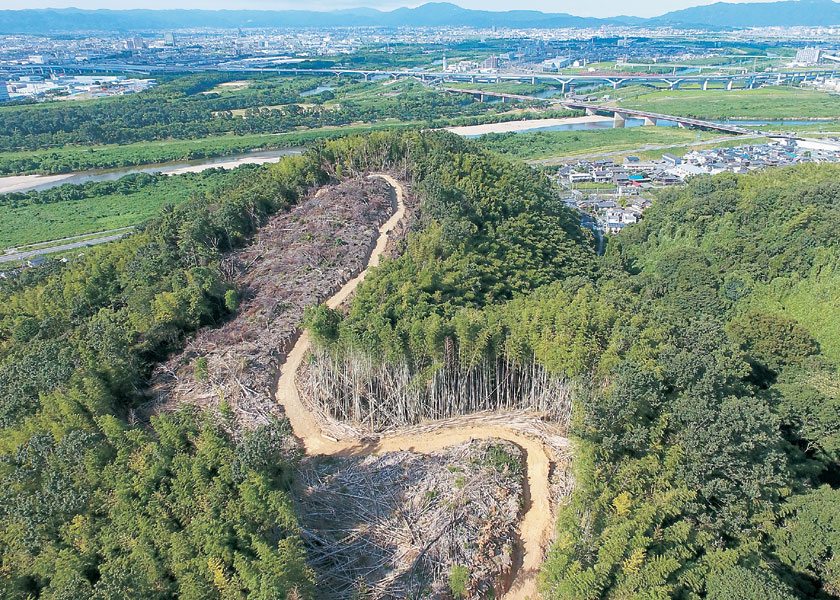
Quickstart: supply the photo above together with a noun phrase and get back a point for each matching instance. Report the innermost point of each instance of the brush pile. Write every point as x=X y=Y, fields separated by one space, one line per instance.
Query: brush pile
x=298 y=259
x=406 y=525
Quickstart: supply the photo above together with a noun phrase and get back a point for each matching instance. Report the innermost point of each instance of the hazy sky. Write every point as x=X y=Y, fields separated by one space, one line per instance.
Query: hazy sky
x=602 y=8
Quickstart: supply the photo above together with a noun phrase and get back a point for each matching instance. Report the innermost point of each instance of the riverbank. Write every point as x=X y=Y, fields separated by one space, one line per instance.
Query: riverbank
x=525 y=125
x=25 y=183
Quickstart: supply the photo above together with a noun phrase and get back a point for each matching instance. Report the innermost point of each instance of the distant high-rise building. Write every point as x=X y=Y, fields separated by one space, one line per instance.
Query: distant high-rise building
x=169 y=38
x=445 y=64
x=135 y=43
x=4 y=91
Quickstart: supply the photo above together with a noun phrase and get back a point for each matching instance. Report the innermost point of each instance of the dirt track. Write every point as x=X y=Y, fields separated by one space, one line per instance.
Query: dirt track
x=538 y=520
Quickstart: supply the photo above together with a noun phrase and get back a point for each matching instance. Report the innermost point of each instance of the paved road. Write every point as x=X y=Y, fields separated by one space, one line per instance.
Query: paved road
x=19 y=256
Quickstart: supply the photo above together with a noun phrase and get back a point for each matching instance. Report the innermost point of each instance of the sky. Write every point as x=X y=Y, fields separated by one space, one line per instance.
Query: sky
x=601 y=8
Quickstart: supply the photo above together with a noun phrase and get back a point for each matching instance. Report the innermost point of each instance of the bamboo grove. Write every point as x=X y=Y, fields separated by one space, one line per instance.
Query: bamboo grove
x=423 y=339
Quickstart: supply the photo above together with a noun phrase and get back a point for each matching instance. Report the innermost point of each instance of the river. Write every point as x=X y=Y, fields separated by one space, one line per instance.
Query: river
x=25 y=183
x=586 y=123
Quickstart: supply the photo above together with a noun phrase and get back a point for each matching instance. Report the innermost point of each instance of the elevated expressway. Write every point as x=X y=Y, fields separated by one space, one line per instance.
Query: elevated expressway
x=616 y=80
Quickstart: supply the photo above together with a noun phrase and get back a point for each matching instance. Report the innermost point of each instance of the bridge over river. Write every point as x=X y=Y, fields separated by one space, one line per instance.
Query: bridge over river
x=619 y=114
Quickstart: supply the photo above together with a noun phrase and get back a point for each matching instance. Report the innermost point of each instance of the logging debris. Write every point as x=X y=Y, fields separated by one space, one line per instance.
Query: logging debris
x=394 y=525
x=299 y=258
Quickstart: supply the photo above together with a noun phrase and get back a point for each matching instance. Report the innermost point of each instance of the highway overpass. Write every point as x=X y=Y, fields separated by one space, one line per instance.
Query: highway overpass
x=616 y=80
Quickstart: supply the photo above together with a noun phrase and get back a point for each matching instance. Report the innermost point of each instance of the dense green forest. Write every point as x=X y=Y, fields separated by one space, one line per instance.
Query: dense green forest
x=708 y=459
x=95 y=506
x=703 y=350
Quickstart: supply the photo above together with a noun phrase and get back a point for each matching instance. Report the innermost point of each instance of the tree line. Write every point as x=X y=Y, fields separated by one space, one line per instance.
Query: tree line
x=187 y=108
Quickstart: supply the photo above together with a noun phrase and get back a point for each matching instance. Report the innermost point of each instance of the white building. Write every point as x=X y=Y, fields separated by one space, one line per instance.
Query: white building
x=808 y=56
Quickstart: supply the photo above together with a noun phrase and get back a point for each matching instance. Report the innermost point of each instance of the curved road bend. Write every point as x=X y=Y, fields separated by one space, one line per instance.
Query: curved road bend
x=537 y=525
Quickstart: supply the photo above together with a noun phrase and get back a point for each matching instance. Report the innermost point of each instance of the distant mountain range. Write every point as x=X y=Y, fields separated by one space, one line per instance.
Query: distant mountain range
x=433 y=14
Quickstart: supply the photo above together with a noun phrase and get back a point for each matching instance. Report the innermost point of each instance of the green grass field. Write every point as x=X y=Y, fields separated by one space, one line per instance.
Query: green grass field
x=771 y=103
x=554 y=144
x=507 y=87
x=25 y=223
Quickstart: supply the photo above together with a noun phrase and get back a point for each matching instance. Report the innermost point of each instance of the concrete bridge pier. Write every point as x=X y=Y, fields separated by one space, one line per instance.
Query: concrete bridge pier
x=564 y=83
x=619 y=120
x=729 y=85
x=705 y=84
x=472 y=79
x=367 y=76
x=649 y=122
x=481 y=97
x=533 y=81
x=673 y=85
x=591 y=112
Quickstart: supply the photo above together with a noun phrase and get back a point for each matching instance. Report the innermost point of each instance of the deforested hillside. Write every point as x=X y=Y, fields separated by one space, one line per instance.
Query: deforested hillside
x=695 y=364
x=698 y=358
x=296 y=259
x=411 y=525
x=94 y=505
x=97 y=502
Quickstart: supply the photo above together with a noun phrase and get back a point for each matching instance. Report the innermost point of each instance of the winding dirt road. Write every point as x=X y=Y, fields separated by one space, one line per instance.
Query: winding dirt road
x=537 y=523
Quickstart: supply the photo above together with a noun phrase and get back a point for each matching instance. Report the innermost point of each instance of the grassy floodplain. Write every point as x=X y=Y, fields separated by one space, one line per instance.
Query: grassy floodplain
x=551 y=144
x=79 y=158
x=771 y=103
x=70 y=210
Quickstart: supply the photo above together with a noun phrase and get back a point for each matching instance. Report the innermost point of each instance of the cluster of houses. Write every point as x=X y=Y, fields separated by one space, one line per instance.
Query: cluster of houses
x=670 y=169
x=624 y=205
x=612 y=217
x=625 y=182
